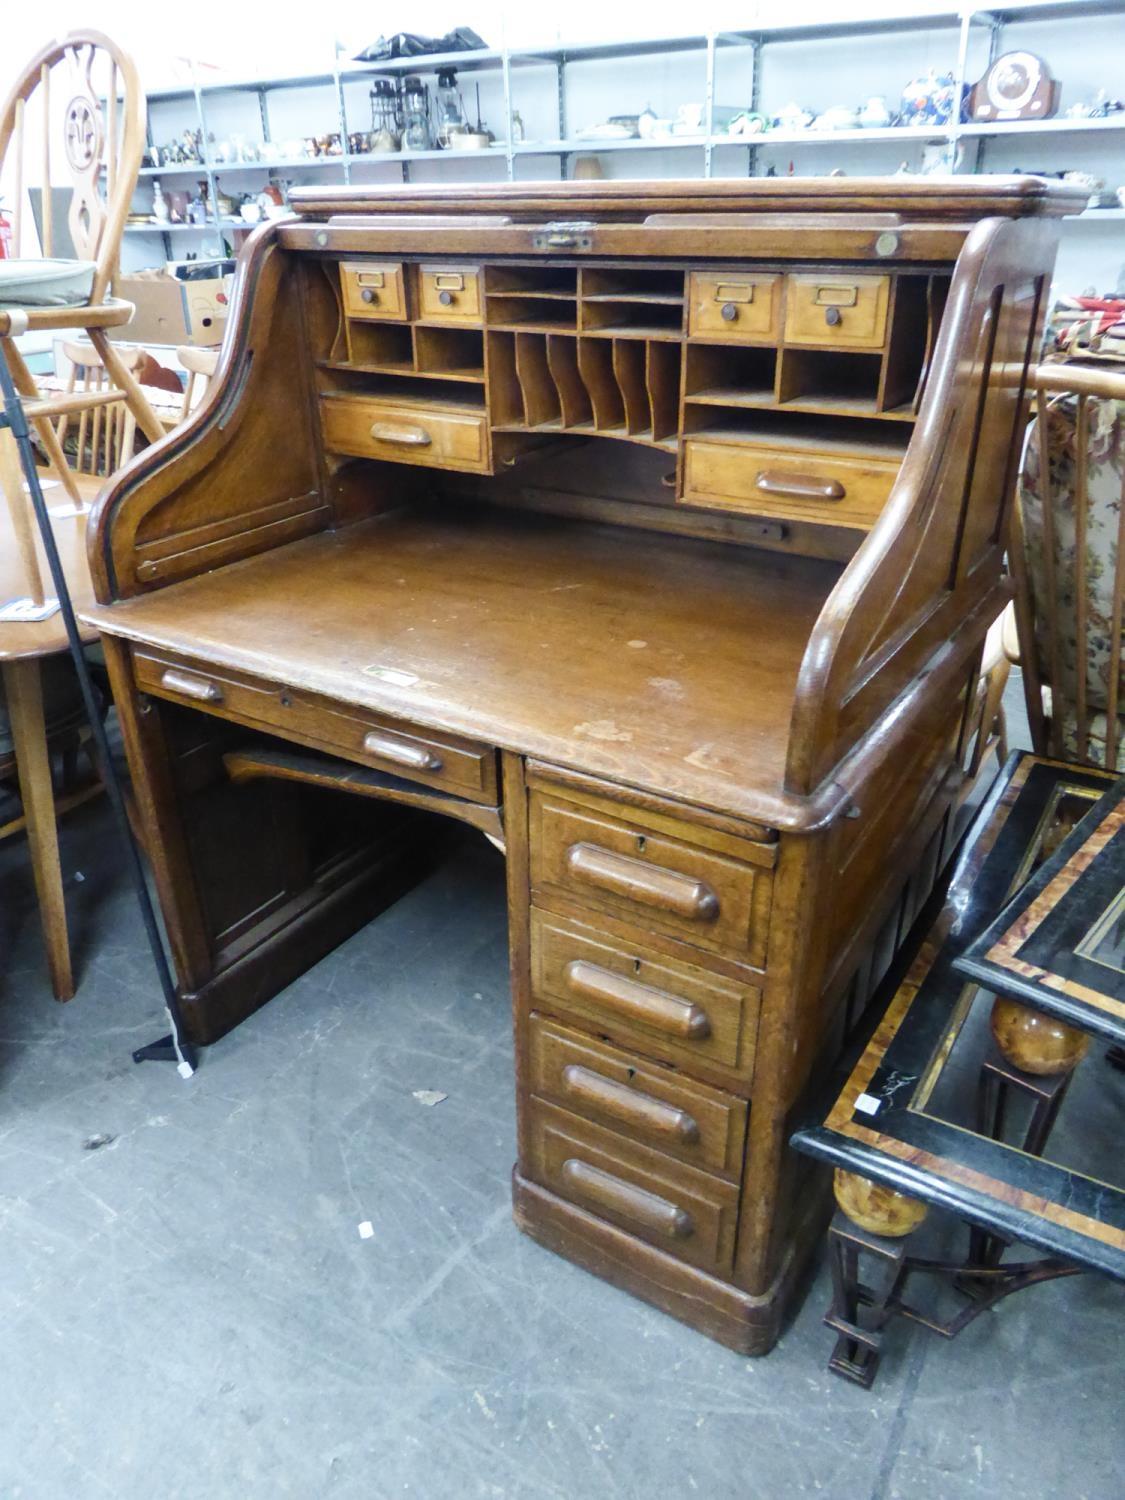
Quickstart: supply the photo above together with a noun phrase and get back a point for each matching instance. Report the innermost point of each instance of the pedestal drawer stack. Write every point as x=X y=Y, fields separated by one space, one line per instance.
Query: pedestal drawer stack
x=647 y=950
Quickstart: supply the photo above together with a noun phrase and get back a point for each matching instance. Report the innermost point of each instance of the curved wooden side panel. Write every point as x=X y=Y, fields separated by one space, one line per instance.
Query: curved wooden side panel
x=242 y=474
x=928 y=580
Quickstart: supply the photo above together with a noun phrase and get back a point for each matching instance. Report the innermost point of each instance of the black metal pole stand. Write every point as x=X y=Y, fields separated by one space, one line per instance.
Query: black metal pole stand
x=172 y=1048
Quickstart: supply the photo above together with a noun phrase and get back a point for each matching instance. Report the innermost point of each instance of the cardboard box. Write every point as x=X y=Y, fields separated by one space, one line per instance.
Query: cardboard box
x=186 y=308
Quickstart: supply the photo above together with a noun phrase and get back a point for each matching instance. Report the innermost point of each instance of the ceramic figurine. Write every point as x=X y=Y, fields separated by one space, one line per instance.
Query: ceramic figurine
x=225 y=205
x=793 y=117
x=839 y=117
x=748 y=122
x=875 y=115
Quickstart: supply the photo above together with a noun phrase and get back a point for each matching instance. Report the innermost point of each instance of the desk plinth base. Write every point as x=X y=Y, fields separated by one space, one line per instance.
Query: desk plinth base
x=747 y=1324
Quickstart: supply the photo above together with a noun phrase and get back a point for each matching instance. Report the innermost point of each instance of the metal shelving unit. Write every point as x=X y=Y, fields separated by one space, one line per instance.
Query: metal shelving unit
x=964 y=24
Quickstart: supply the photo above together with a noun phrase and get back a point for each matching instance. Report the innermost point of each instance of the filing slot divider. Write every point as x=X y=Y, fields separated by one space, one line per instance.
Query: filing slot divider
x=662 y=379
x=618 y=387
x=540 y=394
x=574 y=398
x=595 y=363
x=629 y=372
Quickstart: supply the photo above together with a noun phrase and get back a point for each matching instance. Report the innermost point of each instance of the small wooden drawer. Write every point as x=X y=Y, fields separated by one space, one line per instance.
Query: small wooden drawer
x=449 y=294
x=735 y=307
x=653 y=1106
x=687 y=1213
x=786 y=483
x=608 y=855
x=668 y=1010
x=374 y=289
x=838 y=312
x=460 y=767
x=405 y=432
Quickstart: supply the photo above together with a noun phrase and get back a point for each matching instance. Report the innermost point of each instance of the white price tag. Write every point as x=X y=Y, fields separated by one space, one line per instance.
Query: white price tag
x=26 y=612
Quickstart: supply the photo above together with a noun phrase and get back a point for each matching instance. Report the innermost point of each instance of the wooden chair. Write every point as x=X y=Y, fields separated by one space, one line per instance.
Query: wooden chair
x=989 y=721
x=200 y=365
x=106 y=435
x=1069 y=564
x=82 y=91
x=101 y=156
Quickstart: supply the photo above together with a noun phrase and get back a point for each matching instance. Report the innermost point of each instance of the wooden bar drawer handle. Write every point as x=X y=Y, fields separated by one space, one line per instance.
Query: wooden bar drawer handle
x=199 y=688
x=406 y=436
x=800 y=486
x=639 y=1002
x=629 y=1106
x=656 y=1214
x=682 y=895
x=413 y=757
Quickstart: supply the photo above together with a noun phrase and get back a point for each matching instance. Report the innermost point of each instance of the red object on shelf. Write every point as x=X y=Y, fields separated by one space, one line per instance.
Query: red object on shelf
x=5 y=238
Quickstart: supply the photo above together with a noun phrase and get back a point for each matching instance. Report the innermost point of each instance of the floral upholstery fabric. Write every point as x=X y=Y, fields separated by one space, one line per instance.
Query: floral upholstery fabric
x=1106 y=485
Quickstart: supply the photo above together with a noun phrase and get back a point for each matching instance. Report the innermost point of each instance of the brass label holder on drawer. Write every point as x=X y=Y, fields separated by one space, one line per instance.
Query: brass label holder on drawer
x=733 y=291
x=836 y=296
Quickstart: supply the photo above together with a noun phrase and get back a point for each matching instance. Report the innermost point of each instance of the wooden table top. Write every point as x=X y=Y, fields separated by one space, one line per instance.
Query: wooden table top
x=669 y=664
x=41 y=638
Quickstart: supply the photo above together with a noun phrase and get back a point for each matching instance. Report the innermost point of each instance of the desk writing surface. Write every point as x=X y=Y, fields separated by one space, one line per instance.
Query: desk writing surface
x=664 y=662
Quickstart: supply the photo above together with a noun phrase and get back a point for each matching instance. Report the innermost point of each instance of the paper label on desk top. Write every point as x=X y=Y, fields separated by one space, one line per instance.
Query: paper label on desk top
x=391 y=675
x=867 y=1104
x=26 y=612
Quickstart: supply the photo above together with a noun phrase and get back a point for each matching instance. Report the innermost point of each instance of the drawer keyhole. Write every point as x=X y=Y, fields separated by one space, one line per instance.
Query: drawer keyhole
x=642 y=843
x=728 y=312
x=833 y=316
x=368 y=294
x=636 y=966
x=286 y=701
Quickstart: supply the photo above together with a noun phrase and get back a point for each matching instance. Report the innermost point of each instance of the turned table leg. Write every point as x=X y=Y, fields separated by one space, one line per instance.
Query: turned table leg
x=23 y=687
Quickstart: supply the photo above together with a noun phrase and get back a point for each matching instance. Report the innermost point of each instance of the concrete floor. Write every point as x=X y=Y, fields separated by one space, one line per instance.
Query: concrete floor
x=188 y=1309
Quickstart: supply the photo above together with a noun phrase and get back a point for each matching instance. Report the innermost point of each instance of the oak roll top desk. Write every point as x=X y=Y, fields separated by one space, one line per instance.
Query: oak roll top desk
x=652 y=530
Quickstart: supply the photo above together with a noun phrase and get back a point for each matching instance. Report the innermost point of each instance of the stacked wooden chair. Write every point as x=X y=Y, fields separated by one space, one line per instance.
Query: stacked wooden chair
x=77 y=113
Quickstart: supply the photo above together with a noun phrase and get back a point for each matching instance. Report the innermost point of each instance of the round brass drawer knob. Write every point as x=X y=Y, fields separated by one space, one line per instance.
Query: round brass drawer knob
x=728 y=312
x=833 y=316
x=367 y=294
x=446 y=299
